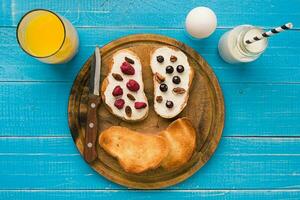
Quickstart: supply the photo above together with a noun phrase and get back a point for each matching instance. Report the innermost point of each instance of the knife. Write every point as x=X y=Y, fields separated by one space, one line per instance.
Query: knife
x=89 y=150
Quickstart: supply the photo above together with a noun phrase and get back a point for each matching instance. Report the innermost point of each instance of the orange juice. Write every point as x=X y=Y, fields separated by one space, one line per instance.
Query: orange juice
x=47 y=36
x=44 y=35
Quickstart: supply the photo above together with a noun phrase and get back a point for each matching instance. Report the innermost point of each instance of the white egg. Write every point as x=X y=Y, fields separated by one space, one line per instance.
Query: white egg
x=201 y=22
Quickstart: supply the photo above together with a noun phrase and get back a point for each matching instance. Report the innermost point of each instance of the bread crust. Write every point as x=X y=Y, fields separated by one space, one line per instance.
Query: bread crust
x=105 y=84
x=156 y=85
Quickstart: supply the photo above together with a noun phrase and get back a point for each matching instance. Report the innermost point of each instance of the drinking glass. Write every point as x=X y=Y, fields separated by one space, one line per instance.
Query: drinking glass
x=47 y=36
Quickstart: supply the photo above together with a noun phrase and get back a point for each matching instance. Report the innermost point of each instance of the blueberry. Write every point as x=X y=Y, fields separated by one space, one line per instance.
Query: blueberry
x=176 y=79
x=169 y=69
x=160 y=59
x=169 y=104
x=180 y=68
x=163 y=87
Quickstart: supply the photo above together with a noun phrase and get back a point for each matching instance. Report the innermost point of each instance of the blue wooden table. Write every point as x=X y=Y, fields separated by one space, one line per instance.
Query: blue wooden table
x=259 y=153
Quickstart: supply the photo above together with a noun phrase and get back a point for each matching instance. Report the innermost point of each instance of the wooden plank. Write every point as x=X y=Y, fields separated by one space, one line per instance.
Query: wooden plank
x=134 y=194
x=239 y=163
x=255 y=109
x=90 y=36
x=229 y=146
x=157 y=13
x=34 y=108
x=280 y=63
x=251 y=109
x=5 y=13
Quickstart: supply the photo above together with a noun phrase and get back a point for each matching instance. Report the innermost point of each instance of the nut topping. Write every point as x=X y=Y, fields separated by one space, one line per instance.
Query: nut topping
x=130 y=97
x=179 y=90
x=128 y=111
x=173 y=58
x=159 y=99
x=118 y=77
x=159 y=78
x=129 y=60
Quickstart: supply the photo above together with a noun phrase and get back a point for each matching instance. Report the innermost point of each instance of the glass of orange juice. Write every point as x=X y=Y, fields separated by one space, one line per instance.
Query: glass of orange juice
x=47 y=36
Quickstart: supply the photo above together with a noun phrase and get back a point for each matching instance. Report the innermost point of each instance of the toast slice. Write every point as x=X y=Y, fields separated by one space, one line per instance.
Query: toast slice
x=172 y=77
x=181 y=139
x=122 y=90
x=136 y=152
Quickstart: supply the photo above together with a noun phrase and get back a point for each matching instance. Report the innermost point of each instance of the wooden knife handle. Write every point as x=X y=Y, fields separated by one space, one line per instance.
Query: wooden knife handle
x=91 y=132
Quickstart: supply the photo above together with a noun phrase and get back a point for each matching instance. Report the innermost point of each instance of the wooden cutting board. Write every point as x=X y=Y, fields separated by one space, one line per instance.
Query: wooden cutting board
x=205 y=109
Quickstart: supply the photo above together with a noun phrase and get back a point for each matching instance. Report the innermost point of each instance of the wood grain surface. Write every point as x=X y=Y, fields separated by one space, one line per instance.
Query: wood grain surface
x=157 y=13
x=205 y=109
x=258 y=156
x=242 y=160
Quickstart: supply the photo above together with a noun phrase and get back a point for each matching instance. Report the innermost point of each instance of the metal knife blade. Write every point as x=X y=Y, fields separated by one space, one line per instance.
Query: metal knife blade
x=95 y=72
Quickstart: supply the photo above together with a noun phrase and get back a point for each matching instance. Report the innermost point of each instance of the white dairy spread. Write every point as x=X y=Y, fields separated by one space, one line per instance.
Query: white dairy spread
x=179 y=100
x=140 y=96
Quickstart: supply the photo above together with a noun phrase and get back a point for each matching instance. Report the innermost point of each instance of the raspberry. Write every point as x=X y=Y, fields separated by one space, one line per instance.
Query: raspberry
x=127 y=68
x=119 y=103
x=117 y=91
x=139 y=105
x=132 y=85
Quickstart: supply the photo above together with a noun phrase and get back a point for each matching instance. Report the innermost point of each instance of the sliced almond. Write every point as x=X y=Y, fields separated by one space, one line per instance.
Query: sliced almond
x=128 y=111
x=129 y=60
x=159 y=99
x=159 y=78
x=130 y=97
x=117 y=76
x=173 y=58
x=179 y=90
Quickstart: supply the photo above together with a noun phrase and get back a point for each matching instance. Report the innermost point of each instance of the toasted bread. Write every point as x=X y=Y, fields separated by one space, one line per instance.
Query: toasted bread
x=181 y=139
x=171 y=70
x=133 y=103
x=135 y=152
x=138 y=152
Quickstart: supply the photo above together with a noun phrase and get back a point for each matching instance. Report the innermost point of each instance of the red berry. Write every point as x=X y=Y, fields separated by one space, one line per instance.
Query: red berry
x=139 y=105
x=117 y=91
x=119 y=103
x=127 y=68
x=132 y=85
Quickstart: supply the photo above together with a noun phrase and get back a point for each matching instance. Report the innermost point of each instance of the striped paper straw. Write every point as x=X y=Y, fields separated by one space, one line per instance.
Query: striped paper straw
x=270 y=33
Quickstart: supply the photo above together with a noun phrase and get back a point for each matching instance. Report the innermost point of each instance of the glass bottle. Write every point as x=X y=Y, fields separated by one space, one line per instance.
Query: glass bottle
x=234 y=49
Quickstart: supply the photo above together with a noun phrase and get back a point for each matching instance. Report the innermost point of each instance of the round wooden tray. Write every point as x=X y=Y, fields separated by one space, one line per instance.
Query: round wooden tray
x=205 y=109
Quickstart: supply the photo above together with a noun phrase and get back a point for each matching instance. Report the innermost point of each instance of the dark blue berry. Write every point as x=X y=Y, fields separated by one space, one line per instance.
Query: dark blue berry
x=169 y=69
x=169 y=104
x=160 y=59
x=176 y=80
x=180 y=68
x=163 y=87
